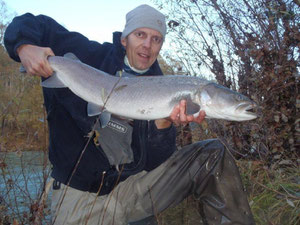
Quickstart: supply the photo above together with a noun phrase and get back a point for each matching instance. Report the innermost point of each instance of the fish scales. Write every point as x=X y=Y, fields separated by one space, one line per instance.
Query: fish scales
x=147 y=97
x=154 y=97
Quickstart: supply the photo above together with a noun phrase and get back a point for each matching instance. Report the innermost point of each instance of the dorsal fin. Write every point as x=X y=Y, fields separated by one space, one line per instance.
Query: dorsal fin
x=72 y=56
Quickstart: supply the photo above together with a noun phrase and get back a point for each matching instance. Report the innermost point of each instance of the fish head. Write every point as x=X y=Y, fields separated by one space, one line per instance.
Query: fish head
x=222 y=103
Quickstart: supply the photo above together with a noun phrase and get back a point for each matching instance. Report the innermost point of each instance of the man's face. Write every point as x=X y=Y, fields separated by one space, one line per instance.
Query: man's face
x=142 y=47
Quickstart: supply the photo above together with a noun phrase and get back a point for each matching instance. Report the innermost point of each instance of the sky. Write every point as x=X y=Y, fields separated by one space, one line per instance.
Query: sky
x=96 y=19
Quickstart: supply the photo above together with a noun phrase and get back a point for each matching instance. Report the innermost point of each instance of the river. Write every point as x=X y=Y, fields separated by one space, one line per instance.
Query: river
x=22 y=177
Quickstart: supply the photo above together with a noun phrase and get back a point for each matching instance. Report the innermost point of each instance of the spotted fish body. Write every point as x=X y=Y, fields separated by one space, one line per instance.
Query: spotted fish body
x=147 y=97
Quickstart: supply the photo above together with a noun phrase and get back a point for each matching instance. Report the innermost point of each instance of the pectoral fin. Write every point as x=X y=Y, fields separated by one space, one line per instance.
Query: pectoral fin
x=93 y=109
x=22 y=69
x=104 y=118
x=191 y=107
x=53 y=82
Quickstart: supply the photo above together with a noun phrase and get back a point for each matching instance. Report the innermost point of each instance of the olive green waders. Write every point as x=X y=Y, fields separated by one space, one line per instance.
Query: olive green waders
x=204 y=169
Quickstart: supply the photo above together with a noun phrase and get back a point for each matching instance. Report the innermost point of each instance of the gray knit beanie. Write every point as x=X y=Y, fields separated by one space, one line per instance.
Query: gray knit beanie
x=144 y=16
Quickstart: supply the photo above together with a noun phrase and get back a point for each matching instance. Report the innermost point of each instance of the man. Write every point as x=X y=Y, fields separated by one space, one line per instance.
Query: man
x=127 y=174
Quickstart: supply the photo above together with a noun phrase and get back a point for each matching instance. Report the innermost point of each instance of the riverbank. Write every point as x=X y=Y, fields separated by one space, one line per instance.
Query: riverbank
x=22 y=143
x=20 y=134
x=273 y=191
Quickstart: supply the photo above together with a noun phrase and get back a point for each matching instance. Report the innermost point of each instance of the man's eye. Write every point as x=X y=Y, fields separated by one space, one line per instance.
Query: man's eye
x=157 y=40
x=139 y=34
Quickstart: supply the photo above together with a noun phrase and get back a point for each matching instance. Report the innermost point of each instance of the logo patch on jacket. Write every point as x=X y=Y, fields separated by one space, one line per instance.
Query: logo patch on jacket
x=117 y=126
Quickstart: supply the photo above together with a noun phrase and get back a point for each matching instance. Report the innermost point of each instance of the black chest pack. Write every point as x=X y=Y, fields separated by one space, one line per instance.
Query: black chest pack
x=115 y=140
x=116 y=136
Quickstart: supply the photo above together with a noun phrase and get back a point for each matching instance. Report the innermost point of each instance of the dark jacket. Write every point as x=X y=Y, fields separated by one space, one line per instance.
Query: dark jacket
x=68 y=122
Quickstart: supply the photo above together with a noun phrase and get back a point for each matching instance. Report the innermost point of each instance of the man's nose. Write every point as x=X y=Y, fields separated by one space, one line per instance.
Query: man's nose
x=147 y=42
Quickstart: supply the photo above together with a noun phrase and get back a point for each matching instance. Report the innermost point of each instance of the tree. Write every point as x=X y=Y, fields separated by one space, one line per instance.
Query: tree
x=251 y=46
x=5 y=18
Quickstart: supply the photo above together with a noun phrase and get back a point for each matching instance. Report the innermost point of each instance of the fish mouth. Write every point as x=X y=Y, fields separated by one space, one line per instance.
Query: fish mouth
x=248 y=109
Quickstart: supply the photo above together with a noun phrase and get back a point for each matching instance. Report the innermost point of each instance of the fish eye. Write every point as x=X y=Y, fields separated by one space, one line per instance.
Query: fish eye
x=239 y=97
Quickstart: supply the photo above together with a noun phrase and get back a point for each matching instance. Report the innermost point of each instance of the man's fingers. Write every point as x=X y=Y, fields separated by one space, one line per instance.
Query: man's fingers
x=190 y=118
x=46 y=65
x=182 y=113
x=48 y=52
x=38 y=69
x=175 y=113
x=35 y=59
x=179 y=116
x=41 y=68
x=47 y=68
x=200 y=117
x=46 y=71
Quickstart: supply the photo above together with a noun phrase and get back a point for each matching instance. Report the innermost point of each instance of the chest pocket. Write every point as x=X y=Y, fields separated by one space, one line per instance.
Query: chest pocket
x=115 y=140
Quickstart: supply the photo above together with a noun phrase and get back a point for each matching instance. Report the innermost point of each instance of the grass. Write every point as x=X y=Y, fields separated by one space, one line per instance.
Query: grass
x=274 y=192
x=274 y=197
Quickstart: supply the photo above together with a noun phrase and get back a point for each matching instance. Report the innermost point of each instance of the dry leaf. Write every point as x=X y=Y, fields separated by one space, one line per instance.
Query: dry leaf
x=290 y=203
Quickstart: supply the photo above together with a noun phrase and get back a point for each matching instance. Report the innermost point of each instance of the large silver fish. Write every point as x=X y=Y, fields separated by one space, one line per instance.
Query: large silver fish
x=148 y=97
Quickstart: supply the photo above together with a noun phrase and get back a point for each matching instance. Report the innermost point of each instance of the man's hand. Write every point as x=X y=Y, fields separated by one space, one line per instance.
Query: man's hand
x=34 y=59
x=179 y=116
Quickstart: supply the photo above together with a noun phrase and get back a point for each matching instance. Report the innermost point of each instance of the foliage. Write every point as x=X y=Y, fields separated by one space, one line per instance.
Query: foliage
x=5 y=17
x=22 y=114
x=250 y=46
x=273 y=195
x=253 y=47
x=274 y=192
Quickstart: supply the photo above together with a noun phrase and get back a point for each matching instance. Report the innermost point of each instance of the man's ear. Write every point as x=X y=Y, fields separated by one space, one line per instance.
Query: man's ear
x=124 y=42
